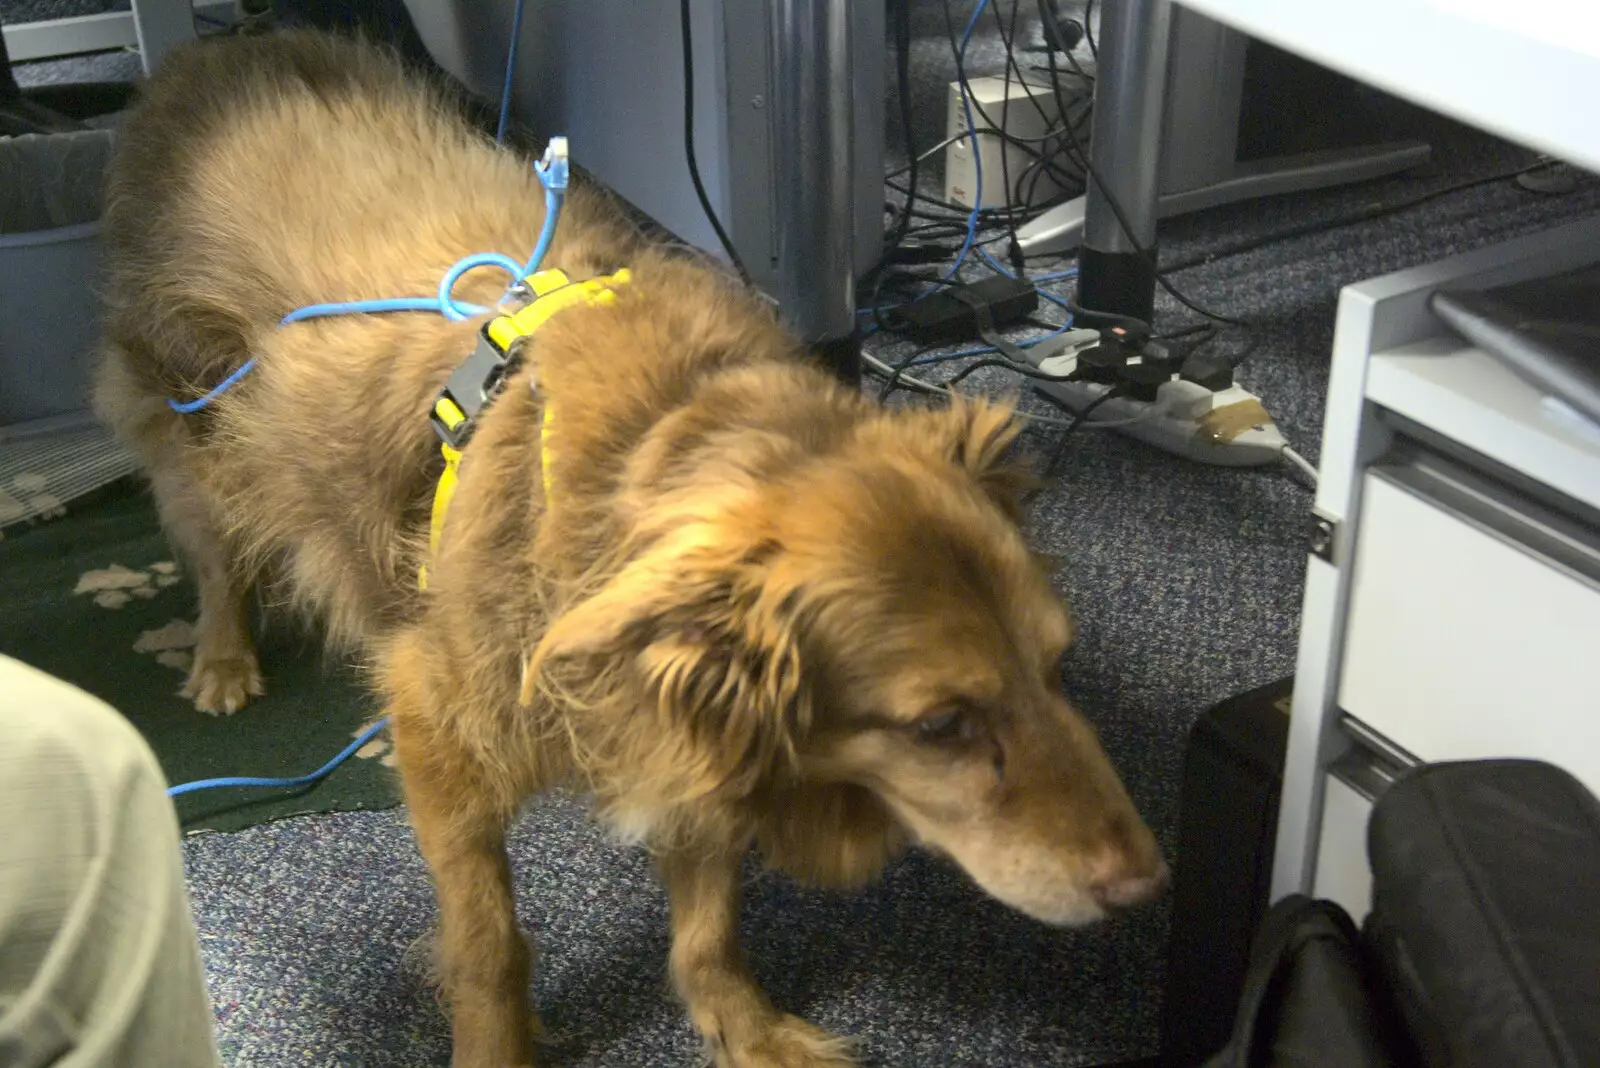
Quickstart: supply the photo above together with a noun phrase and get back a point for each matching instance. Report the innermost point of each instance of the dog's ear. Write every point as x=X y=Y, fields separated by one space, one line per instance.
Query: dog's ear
x=975 y=436
x=695 y=632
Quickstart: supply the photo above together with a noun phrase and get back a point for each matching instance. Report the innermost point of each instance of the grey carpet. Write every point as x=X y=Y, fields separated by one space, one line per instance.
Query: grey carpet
x=117 y=66
x=307 y=929
x=15 y=12
x=1186 y=581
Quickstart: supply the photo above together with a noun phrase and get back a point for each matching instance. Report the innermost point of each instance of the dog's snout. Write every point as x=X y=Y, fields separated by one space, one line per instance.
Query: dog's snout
x=1122 y=885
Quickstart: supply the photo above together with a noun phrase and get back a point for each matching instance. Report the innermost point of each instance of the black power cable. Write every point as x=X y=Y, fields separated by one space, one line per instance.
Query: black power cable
x=1040 y=162
x=688 y=143
x=1077 y=183
x=1032 y=373
x=902 y=75
x=892 y=382
x=1019 y=263
x=1083 y=413
x=1073 y=185
x=1016 y=139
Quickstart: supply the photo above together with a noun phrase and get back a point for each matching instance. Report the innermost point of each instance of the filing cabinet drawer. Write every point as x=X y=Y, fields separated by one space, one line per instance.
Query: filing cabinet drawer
x=1474 y=627
x=1343 y=874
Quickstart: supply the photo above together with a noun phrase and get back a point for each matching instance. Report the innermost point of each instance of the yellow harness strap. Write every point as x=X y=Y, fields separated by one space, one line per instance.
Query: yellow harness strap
x=441 y=504
x=553 y=293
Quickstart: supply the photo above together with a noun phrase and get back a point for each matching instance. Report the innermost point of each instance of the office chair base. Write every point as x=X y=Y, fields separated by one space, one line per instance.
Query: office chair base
x=1061 y=228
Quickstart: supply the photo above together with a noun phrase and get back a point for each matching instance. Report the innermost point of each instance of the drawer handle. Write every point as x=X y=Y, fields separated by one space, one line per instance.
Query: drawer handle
x=1372 y=762
x=1555 y=539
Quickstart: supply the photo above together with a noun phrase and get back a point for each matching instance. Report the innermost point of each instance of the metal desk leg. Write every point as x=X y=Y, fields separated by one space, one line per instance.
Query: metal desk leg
x=815 y=171
x=160 y=26
x=1200 y=167
x=1130 y=92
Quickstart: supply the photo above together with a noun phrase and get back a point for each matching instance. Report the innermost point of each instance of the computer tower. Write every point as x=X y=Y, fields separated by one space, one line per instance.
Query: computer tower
x=608 y=74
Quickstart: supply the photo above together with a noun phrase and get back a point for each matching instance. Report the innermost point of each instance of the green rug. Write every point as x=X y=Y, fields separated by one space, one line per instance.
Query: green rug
x=94 y=597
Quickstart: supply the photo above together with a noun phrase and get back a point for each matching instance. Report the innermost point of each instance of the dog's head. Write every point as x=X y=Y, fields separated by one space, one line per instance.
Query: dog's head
x=874 y=619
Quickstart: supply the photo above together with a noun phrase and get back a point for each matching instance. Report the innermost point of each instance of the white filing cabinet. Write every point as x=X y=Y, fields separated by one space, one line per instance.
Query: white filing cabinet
x=1452 y=601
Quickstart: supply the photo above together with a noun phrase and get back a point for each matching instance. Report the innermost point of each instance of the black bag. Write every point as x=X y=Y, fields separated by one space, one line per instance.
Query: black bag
x=1486 y=913
x=1311 y=999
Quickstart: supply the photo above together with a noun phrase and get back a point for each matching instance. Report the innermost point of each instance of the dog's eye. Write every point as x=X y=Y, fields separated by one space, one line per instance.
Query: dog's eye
x=951 y=725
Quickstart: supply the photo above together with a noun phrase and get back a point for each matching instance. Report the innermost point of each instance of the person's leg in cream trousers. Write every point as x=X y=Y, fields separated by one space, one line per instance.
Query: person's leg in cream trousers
x=99 y=964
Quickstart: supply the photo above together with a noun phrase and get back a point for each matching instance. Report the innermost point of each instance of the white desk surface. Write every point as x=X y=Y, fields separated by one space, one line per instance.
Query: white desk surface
x=1527 y=70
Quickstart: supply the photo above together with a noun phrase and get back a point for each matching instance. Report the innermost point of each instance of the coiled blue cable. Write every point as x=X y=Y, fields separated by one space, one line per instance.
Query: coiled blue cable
x=448 y=306
x=552 y=207
x=442 y=303
x=362 y=307
x=553 y=173
x=301 y=780
x=185 y=407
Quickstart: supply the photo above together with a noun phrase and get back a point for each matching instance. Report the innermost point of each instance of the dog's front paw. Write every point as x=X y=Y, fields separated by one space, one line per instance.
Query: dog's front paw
x=788 y=1042
x=223 y=685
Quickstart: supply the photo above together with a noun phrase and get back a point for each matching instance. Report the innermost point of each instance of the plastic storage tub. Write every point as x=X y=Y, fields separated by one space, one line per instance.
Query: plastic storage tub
x=50 y=272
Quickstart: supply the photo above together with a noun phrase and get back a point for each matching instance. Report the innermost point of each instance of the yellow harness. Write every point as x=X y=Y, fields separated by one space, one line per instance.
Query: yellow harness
x=478 y=380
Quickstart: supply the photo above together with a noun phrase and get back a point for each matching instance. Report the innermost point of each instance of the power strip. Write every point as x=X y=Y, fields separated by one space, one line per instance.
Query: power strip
x=1229 y=428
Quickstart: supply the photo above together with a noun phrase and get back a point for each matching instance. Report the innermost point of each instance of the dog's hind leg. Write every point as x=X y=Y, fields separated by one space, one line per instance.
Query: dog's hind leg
x=460 y=820
x=741 y=1027
x=225 y=673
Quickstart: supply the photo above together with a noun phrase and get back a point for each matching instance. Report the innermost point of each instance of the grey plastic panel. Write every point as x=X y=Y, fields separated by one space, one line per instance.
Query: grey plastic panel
x=608 y=75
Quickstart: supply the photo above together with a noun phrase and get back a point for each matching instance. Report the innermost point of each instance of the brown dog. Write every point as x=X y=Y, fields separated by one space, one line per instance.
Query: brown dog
x=751 y=609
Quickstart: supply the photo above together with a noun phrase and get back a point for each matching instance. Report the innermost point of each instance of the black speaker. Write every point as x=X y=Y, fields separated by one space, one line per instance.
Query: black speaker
x=1227 y=823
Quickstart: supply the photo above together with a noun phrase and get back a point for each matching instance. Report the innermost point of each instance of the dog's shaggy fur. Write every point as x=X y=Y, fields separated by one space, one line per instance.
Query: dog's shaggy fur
x=755 y=609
